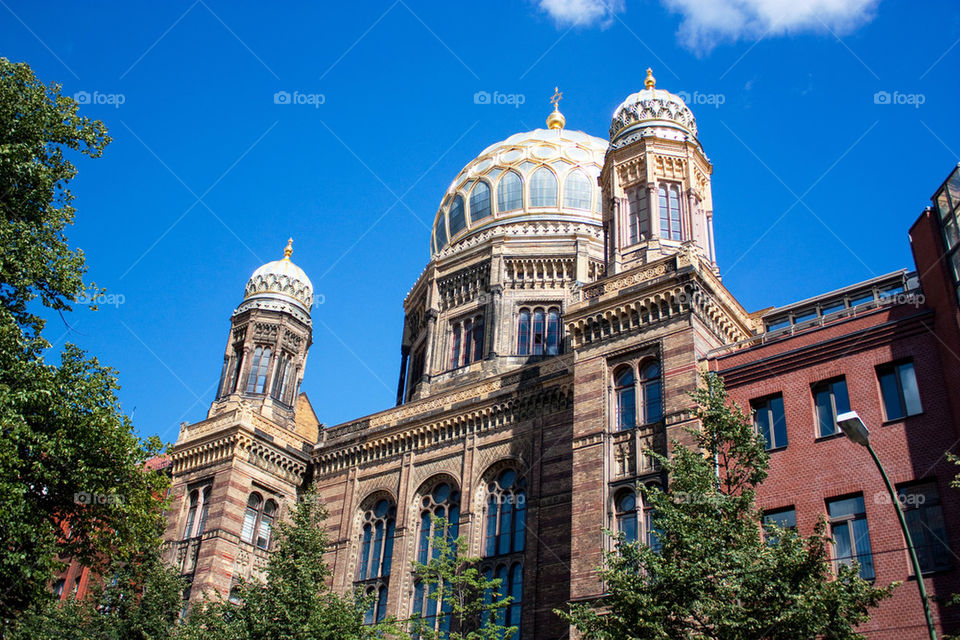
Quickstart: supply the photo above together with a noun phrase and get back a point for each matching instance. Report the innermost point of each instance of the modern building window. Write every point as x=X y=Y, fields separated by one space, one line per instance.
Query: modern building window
x=625 y=392
x=924 y=515
x=457 y=219
x=538 y=331
x=509 y=192
x=947 y=201
x=768 y=417
x=898 y=386
x=258 y=521
x=577 y=191
x=257 y=378
x=443 y=501
x=652 y=387
x=543 y=188
x=785 y=518
x=506 y=516
x=626 y=515
x=638 y=214
x=851 y=536
x=480 y=201
x=467 y=341
x=669 y=201
x=830 y=400
x=197 y=512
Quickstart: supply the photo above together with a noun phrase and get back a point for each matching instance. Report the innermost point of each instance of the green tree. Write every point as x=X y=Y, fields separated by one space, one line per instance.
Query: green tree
x=140 y=601
x=295 y=601
x=470 y=605
x=713 y=573
x=72 y=478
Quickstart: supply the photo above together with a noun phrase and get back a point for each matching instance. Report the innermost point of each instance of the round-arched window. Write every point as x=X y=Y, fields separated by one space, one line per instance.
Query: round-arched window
x=543 y=188
x=577 y=191
x=480 y=201
x=506 y=515
x=510 y=192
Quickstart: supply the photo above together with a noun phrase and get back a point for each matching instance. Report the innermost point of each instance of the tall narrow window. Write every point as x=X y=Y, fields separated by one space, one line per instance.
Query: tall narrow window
x=376 y=554
x=204 y=510
x=553 y=331
x=509 y=192
x=851 y=537
x=539 y=321
x=266 y=524
x=669 y=201
x=652 y=388
x=440 y=231
x=523 y=332
x=258 y=521
x=626 y=506
x=626 y=398
x=477 y=337
x=898 y=385
x=924 y=515
x=577 y=191
x=638 y=215
x=282 y=380
x=457 y=219
x=258 y=370
x=479 y=201
x=506 y=521
x=768 y=417
x=237 y=363
x=543 y=188
x=250 y=517
x=455 y=352
x=830 y=400
x=466 y=341
x=443 y=502
x=191 y=514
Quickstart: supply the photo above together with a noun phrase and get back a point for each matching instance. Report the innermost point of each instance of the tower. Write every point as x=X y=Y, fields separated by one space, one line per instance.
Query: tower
x=238 y=471
x=655 y=182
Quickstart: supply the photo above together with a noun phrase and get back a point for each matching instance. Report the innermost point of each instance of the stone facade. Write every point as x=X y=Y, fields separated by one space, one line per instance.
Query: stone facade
x=548 y=346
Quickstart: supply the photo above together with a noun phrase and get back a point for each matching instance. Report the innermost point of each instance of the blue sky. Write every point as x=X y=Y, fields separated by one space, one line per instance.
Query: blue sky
x=814 y=183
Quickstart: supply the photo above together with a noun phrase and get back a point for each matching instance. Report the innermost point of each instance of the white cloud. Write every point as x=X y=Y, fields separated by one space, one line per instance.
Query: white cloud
x=707 y=23
x=583 y=13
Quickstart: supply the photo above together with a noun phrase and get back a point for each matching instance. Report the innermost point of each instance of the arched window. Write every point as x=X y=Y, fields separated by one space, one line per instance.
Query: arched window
x=511 y=584
x=258 y=521
x=440 y=232
x=258 y=370
x=443 y=502
x=543 y=188
x=425 y=606
x=376 y=549
x=506 y=514
x=638 y=215
x=509 y=192
x=197 y=512
x=377 y=610
x=669 y=201
x=281 y=381
x=652 y=387
x=466 y=344
x=626 y=515
x=457 y=217
x=479 y=201
x=626 y=398
x=538 y=331
x=577 y=191
x=456 y=345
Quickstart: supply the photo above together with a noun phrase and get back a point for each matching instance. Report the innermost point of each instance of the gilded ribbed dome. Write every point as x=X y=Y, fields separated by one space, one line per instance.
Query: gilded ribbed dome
x=652 y=107
x=544 y=176
x=279 y=285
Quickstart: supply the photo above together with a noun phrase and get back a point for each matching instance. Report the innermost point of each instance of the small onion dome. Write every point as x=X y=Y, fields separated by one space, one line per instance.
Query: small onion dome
x=279 y=286
x=652 y=108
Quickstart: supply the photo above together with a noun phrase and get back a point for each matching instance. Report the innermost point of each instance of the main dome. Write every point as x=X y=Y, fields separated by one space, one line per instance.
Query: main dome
x=652 y=107
x=281 y=286
x=544 y=175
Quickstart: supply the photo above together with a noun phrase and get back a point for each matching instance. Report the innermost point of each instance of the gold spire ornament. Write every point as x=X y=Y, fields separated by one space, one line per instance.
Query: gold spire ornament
x=650 y=82
x=288 y=250
x=556 y=120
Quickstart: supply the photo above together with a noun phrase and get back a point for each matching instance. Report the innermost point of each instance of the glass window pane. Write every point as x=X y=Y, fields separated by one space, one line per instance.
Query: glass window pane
x=553 y=332
x=249 y=522
x=520 y=522
x=825 y=418
x=840 y=396
x=543 y=188
x=456 y=216
x=480 y=201
x=523 y=333
x=626 y=408
x=577 y=191
x=762 y=419
x=862 y=541
x=493 y=510
x=653 y=401
x=538 y=326
x=510 y=193
x=911 y=394
x=779 y=421
x=890 y=391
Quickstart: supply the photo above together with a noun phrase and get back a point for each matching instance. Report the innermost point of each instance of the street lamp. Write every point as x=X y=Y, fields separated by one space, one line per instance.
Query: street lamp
x=856 y=431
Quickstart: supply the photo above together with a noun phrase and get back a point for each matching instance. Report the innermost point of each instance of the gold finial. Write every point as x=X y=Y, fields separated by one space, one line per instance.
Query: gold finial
x=556 y=120
x=288 y=250
x=650 y=82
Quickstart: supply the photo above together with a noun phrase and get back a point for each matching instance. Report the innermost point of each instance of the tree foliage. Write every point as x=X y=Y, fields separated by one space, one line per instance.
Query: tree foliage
x=72 y=478
x=295 y=601
x=474 y=602
x=714 y=573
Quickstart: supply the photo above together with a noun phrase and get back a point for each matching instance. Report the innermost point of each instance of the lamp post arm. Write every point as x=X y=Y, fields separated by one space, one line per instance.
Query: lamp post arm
x=906 y=534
